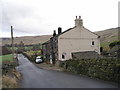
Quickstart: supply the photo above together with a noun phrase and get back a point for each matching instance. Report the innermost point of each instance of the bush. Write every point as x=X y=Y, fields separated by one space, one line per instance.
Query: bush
x=5 y=50
x=105 y=69
x=30 y=57
x=9 y=82
x=111 y=45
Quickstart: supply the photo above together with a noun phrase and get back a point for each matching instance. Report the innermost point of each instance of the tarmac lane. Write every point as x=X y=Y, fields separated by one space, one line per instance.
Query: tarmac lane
x=34 y=77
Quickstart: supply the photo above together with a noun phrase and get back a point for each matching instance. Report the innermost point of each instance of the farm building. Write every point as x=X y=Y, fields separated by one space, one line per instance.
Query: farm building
x=64 y=45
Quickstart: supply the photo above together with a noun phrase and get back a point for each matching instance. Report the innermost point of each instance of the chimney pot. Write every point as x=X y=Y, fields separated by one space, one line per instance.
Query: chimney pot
x=79 y=17
x=54 y=33
x=59 y=30
x=76 y=17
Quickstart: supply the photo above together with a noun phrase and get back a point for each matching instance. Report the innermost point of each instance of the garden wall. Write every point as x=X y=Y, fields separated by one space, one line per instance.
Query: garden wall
x=105 y=68
x=85 y=55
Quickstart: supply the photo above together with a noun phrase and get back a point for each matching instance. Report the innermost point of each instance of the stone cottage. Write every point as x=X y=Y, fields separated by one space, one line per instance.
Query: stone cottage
x=63 y=45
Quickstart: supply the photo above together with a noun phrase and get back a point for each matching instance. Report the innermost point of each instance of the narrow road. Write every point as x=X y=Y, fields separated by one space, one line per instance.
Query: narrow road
x=33 y=77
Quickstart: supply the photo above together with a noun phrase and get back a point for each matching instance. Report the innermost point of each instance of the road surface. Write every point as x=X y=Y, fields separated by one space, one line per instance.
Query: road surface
x=33 y=77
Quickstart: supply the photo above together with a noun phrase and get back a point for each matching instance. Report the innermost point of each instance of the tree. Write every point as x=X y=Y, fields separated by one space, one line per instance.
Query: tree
x=5 y=50
x=37 y=47
x=21 y=46
x=111 y=45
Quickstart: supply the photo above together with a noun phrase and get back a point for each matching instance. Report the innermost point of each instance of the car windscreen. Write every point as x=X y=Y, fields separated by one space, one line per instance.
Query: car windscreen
x=38 y=58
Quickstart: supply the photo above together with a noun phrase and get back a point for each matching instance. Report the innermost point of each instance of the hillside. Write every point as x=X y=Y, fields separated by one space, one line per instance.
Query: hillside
x=27 y=40
x=108 y=36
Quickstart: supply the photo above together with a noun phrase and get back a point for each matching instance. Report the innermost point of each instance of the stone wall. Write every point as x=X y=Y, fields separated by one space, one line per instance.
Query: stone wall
x=85 y=55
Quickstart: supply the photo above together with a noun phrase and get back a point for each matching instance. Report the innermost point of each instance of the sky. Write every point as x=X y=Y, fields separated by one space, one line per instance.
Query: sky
x=41 y=17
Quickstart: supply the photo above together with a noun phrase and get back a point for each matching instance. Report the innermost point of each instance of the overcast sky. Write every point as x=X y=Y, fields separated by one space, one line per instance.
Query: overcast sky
x=41 y=17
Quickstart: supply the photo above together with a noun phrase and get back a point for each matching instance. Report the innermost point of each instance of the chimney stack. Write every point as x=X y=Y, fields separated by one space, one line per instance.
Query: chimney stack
x=78 y=21
x=59 y=30
x=54 y=33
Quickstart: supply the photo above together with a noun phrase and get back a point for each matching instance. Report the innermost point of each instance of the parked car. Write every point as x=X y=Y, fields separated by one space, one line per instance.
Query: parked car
x=38 y=59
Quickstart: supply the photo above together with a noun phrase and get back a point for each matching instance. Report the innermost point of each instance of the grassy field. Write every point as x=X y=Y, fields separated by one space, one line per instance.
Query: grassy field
x=26 y=48
x=38 y=52
x=8 y=57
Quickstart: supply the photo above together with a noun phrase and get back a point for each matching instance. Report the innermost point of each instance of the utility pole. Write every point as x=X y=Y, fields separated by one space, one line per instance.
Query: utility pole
x=12 y=41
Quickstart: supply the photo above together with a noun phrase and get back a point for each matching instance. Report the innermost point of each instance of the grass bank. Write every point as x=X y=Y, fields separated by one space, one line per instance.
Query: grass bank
x=10 y=76
x=8 y=57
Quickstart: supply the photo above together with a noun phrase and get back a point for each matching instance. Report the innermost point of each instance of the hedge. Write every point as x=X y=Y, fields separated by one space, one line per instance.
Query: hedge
x=30 y=57
x=105 y=69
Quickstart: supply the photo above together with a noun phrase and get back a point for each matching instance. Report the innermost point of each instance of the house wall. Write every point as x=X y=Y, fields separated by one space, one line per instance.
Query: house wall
x=50 y=50
x=54 y=49
x=46 y=50
x=78 y=39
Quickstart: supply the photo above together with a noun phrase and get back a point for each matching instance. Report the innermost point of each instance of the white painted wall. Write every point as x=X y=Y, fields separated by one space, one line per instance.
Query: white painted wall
x=77 y=40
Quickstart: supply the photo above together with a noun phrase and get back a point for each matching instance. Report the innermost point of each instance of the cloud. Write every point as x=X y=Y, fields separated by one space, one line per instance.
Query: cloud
x=24 y=16
x=43 y=16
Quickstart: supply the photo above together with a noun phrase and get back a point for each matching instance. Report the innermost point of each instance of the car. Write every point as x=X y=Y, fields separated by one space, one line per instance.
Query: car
x=38 y=59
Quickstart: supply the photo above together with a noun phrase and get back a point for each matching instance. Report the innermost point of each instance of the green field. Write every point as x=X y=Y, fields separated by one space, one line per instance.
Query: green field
x=26 y=48
x=105 y=46
x=8 y=57
x=38 y=52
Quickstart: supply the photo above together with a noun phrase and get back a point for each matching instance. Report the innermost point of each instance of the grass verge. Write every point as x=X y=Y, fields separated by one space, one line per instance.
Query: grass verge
x=8 y=57
x=10 y=76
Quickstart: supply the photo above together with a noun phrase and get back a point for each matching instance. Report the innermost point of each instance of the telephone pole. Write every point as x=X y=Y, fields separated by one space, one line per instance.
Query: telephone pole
x=12 y=41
